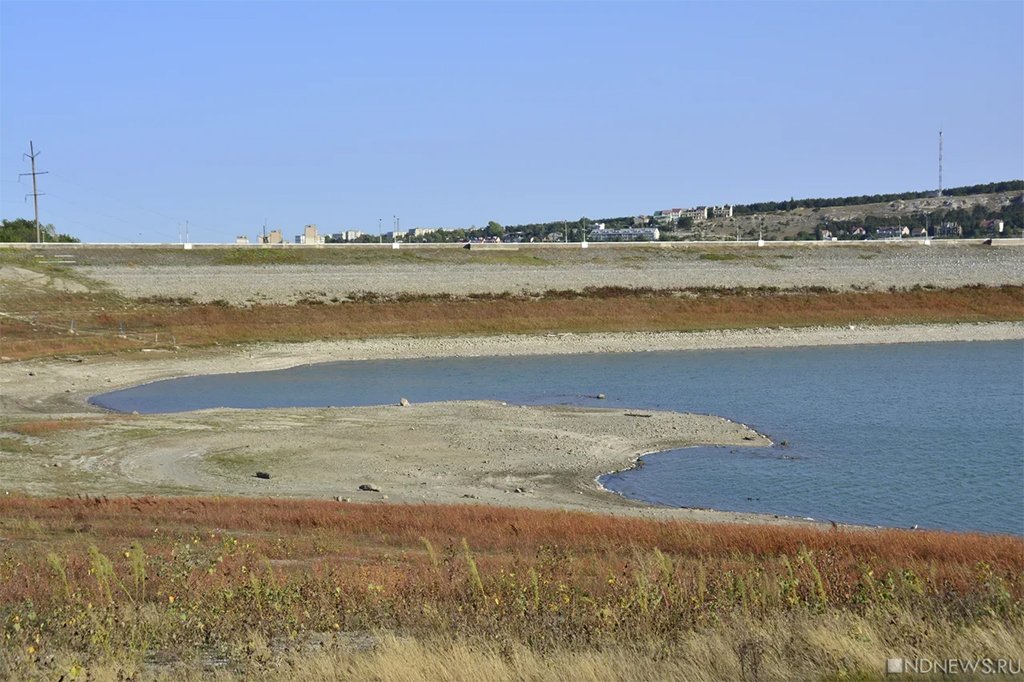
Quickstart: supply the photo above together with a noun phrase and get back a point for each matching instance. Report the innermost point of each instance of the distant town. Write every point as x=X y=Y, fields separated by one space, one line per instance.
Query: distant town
x=992 y=210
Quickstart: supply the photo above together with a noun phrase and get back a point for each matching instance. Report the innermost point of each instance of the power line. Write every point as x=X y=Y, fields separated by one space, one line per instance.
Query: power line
x=32 y=154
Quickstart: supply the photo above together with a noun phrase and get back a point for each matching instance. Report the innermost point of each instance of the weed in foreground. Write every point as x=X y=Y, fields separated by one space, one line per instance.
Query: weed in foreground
x=193 y=581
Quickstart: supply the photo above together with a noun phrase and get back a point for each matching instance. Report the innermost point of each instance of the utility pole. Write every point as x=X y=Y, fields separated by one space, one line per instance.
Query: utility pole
x=32 y=154
x=940 y=162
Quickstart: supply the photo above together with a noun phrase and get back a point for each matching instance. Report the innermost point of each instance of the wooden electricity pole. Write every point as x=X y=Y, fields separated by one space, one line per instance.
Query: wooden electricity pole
x=32 y=154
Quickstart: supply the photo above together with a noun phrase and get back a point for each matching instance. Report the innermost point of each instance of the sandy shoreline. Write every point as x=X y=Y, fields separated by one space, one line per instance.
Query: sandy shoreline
x=448 y=452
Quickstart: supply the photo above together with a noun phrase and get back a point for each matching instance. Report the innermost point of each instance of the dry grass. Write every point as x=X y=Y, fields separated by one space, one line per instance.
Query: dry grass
x=43 y=326
x=815 y=647
x=303 y=589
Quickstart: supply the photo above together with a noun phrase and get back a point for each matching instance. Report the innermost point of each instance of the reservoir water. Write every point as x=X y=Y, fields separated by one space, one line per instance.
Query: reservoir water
x=925 y=434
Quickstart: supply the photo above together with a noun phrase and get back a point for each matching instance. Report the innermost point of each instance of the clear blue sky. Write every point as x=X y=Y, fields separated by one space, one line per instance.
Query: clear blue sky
x=452 y=114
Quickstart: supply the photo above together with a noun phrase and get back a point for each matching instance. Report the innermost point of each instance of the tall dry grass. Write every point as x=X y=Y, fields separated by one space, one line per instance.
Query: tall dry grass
x=799 y=648
x=248 y=588
x=802 y=647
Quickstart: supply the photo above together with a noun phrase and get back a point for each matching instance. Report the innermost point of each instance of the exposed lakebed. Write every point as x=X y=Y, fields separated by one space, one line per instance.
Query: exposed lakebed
x=928 y=434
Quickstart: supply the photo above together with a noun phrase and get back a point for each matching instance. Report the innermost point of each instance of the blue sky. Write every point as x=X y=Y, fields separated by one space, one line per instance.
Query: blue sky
x=452 y=114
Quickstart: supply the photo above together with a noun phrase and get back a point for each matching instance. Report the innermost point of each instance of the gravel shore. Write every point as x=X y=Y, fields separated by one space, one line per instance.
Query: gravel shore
x=470 y=452
x=869 y=267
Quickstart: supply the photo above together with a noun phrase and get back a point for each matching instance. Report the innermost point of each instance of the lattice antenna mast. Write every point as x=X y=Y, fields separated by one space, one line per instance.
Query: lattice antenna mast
x=32 y=154
x=940 y=162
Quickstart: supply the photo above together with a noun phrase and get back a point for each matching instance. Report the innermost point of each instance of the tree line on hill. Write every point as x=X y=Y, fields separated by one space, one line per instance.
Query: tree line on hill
x=769 y=206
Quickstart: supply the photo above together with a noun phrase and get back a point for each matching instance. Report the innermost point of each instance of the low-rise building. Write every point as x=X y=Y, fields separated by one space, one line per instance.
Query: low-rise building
x=274 y=237
x=724 y=211
x=671 y=216
x=625 y=234
x=241 y=239
x=949 y=231
x=345 y=236
x=892 y=232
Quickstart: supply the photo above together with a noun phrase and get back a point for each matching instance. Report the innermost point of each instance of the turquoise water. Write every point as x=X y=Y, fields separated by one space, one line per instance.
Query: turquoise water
x=898 y=435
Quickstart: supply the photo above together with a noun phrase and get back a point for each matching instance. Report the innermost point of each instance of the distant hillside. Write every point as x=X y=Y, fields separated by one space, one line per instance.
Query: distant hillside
x=971 y=211
x=768 y=206
x=969 y=206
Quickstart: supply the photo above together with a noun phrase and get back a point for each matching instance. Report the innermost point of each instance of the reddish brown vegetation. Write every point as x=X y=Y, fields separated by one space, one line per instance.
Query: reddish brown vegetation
x=360 y=538
x=160 y=323
x=184 y=577
x=42 y=427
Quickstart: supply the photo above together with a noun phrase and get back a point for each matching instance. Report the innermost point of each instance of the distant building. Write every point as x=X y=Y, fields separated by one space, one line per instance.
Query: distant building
x=826 y=235
x=671 y=216
x=625 y=234
x=859 y=232
x=241 y=239
x=275 y=237
x=351 y=235
x=993 y=226
x=699 y=214
x=949 y=231
x=422 y=231
x=722 y=211
x=641 y=220
x=892 y=232
x=309 y=235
